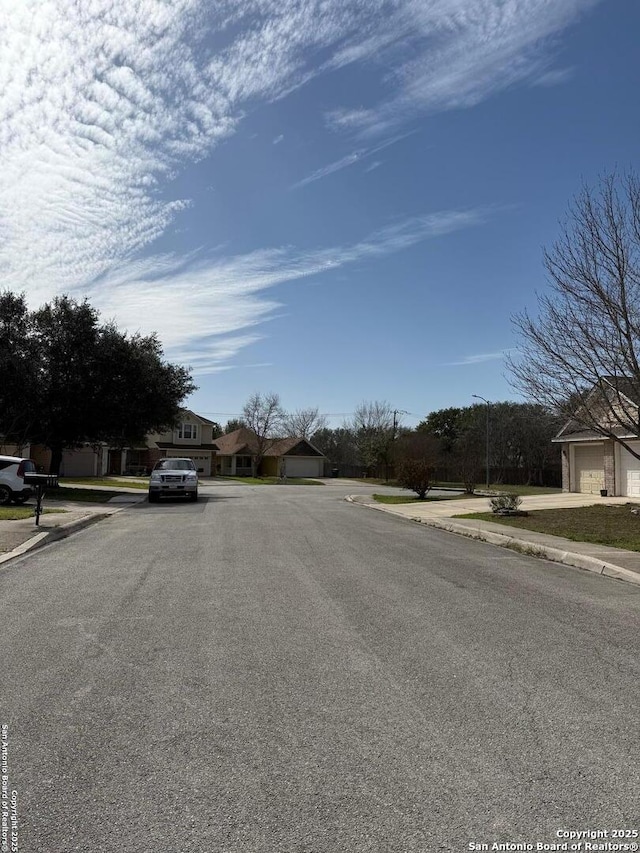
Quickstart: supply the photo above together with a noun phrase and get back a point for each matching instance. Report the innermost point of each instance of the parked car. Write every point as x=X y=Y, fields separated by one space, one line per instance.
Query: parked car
x=12 y=485
x=173 y=477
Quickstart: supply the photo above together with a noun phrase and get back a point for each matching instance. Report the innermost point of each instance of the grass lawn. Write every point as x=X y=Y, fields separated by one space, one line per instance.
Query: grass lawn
x=375 y=481
x=494 y=487
x=274 y=481
x=129 y=482
x=604 y=525
x=14 y=513
x=404 y=499
x=68 y=493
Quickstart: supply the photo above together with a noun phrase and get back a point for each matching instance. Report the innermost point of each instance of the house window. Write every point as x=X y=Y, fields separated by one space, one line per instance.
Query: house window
x=243 y=462
x=188 y=431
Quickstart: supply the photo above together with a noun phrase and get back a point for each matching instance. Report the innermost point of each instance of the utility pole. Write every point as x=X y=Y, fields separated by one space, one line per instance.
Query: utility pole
x=478 y=397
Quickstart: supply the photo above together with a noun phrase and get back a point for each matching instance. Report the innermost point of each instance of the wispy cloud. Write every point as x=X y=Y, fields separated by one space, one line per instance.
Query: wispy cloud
x=350 y=160
x=460 y=53
x=208 y=309
x=554 y=77
x=481 y=358
x=103 y=103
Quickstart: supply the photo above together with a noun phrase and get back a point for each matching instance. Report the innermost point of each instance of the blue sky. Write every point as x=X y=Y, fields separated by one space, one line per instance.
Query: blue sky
x=339 y=201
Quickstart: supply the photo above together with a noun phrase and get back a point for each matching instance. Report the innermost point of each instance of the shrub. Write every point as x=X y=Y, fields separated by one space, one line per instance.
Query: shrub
x=505 y=503
x=417 y=475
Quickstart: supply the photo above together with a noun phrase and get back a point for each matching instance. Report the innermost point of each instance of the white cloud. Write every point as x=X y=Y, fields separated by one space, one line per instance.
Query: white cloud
x=460 y=53
x=102 y=103
x=350 y=160
x=480 y=358
x=206 y=310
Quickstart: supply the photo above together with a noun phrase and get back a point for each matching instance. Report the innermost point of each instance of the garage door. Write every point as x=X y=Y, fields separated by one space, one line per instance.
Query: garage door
x=79 y=463
x=630 y=472
x=589 y=468
x=202 y=463
x=304 y=466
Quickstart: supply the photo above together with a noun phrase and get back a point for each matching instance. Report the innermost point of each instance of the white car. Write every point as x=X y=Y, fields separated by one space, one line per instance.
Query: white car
x=12 y=485
x=173 y=477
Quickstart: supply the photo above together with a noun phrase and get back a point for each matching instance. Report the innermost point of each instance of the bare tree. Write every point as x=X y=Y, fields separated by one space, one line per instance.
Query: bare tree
x=304 y=422
x=580 y=356
x=373 y=429
x=263 y=415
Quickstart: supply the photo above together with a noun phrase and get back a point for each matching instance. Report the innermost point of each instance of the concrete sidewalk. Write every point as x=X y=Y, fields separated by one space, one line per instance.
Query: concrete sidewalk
x=602 y=559
x=19 y=536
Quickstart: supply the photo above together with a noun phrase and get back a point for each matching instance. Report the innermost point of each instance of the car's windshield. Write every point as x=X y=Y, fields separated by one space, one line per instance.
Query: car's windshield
x=175 y=465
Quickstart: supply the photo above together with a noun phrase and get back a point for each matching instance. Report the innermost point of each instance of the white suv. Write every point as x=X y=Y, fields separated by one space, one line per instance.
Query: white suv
x=12 y=487
x=173 y=477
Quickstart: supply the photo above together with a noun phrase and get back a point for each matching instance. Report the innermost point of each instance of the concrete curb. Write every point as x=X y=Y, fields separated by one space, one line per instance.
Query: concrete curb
x=522 y=546
x=38 y=540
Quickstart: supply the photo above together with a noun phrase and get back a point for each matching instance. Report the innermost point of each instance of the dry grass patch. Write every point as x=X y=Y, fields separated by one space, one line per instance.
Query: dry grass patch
x=615 y=525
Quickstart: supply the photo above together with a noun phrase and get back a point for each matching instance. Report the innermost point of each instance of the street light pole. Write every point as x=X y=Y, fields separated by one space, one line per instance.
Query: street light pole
x=478 y=397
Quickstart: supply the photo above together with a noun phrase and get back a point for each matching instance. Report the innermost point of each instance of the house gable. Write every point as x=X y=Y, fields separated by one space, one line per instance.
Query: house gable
x=618 y=407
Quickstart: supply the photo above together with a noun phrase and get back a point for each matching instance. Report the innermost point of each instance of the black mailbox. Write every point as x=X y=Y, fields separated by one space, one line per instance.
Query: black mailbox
x=43 y=481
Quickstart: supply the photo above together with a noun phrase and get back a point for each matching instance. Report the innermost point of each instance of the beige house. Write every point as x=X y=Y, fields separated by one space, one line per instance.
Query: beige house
x=593 y=462
x=192 y=438
x=293 y=457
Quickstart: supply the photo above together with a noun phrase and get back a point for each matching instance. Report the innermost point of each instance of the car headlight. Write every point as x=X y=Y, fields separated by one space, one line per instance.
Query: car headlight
x=192 y=476
x=155 y=475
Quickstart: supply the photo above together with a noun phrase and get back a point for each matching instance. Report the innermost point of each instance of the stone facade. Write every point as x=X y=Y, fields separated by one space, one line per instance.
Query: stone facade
x=609 y=466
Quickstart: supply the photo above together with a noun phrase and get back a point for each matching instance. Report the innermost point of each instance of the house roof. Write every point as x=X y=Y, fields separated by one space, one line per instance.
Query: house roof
x=197 y=417
x=616 y=388
x=236 y=441
x=243 y=440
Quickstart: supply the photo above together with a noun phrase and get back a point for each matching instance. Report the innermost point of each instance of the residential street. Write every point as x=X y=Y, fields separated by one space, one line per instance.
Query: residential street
x=274 y=669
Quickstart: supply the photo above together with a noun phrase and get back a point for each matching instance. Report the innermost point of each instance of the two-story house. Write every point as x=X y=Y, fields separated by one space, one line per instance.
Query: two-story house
x=192 y=438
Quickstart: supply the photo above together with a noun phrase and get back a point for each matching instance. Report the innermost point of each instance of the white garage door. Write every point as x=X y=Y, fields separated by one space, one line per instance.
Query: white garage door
x=630 y=471
x=202 y=461
x=304 y=466
x=589 y=468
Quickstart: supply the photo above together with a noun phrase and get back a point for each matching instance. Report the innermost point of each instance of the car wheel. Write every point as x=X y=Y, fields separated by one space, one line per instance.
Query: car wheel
x=193 y=496
x=20 y=499
x=153 y=498
x=5 y=496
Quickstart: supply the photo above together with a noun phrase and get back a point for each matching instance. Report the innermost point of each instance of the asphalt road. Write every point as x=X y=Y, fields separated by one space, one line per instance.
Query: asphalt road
x=273 y=669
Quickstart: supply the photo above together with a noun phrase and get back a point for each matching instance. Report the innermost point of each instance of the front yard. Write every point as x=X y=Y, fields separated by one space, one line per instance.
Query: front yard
x=15 y=513
x=615 y=526
x=406 y=499
x=115 y=482
x=68 y=493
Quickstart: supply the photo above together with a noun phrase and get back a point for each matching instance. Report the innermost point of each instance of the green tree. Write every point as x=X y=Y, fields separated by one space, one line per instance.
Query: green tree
x=443 y=424
x=338 y=445
x=18 y=369
x=233 y=424
x=89 y=382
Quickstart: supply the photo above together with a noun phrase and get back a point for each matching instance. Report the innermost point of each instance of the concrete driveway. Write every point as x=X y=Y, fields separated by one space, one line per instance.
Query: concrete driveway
x=463 y=506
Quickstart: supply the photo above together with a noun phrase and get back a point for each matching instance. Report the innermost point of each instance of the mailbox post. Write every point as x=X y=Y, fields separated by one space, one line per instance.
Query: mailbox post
x=41 y=482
